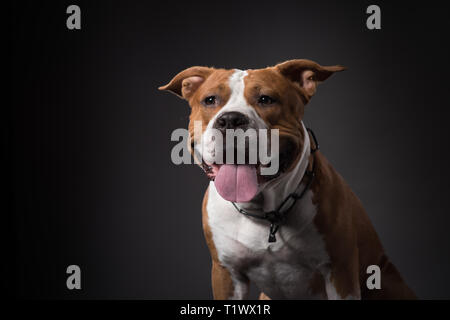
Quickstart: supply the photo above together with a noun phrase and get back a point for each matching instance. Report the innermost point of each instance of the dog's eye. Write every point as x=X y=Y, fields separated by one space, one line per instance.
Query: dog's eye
x=209 y=101
x=266 y=100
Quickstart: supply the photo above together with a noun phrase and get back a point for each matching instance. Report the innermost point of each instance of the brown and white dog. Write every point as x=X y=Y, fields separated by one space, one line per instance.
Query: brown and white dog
x=326 y=241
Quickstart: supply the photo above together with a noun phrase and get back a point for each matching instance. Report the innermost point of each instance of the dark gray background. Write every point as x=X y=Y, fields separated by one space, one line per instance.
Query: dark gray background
x=91 y=180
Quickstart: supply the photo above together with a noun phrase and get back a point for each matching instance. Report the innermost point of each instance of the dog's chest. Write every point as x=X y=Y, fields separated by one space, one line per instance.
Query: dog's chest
x=283 y=269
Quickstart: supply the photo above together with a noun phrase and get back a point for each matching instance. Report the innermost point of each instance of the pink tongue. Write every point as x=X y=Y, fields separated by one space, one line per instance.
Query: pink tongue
x=237 y=183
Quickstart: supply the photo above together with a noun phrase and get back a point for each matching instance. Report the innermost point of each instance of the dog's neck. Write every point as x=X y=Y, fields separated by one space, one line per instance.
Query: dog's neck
x=275 y=191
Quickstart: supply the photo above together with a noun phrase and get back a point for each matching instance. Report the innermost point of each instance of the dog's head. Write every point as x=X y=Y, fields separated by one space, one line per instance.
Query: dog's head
x=247 y=101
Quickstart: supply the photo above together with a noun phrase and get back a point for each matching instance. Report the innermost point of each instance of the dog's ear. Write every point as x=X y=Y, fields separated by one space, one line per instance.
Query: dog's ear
x=307 y=73
x=187 y=81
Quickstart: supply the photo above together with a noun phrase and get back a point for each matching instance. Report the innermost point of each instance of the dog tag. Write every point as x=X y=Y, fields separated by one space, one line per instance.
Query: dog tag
x=272 y=237
x=273 y=230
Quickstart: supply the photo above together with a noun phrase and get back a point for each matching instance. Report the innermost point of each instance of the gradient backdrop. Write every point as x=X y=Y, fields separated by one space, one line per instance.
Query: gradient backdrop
x=90 y=177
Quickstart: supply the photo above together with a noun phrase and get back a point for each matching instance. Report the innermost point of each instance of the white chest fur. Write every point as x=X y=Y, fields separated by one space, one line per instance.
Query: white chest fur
x=282 y=269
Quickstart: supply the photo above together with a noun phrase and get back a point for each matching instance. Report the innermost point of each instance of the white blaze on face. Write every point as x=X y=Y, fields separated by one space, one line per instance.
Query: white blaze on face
x=235 y=103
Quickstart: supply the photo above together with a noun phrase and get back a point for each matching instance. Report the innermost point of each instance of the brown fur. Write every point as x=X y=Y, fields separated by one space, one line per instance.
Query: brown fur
x=350 y=238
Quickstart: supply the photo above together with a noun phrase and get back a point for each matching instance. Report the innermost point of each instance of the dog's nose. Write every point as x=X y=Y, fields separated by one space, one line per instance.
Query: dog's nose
x=231 y=120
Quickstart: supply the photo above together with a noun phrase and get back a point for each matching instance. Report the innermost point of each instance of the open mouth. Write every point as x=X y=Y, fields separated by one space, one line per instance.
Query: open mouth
x=240 y=182
x=237 y=182
x=234 y=182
